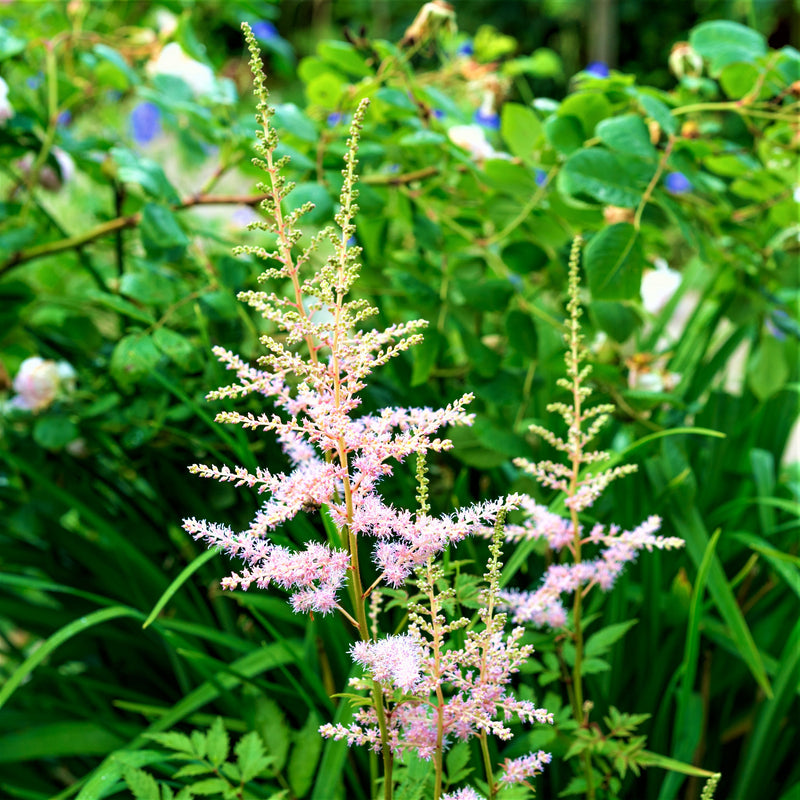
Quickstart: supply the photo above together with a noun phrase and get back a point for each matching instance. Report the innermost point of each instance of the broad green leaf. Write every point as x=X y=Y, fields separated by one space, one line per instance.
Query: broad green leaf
x=326 y=90
x=658 y=111
x=305 y=757
x=614 y=262
x=161 y=234
x=288 y=118
x=723 y=42
x=343 y=56
x=521 y=333
x=618 y=320
x=602 y=175
x=520 y=129
x=271 y=724
x=564 y=134
x=628 y=135
x=310 y=192
x=133 y=358
x=116 y=72
x=54 y=431
x=424 y=357
x=10 y=45
x=737 y=80
x=588 y=107
x=120 y=305
x=767 y=370
x=177 y=348
x=134 y=168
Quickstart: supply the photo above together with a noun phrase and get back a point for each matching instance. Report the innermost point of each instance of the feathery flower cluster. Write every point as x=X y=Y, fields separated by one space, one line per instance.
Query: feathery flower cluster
x=337 y=458
x=520 y=769
x=544 y=606
x=467 y=793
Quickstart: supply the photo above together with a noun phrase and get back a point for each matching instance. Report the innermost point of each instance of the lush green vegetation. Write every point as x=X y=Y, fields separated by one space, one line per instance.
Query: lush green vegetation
x=125 y=150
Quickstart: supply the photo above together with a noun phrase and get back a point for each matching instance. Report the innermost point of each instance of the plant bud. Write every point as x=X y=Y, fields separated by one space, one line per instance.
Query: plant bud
x=685 y=60
x=614 y=214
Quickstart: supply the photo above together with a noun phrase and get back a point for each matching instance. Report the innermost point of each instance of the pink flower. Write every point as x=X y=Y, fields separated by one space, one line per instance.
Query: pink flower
x=40 y=381
x=520 y=769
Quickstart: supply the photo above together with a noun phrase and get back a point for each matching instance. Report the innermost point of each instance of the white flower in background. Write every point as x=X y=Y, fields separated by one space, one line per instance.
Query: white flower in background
x=6 y=110
x=473 y=139
x=658 y=286
x=166 y=22
x=40 y=381
x=796 y=193
x=172 y=60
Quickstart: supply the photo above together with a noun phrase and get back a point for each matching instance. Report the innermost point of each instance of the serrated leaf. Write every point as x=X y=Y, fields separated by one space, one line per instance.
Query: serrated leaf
x=143 y=785
x=305 y=756
x=217 y=743
x=210 y=786
x=271 y=724
x=173 y=740
x=251 y=756
x=601 y=642
x=190 y=770
x=614 y=263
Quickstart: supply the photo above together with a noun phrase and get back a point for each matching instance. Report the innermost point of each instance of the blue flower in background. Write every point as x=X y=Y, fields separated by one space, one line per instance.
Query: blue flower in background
x=487 y=119
x=465 y=49
x=540 y=177
x=145 y=122
x=334 y=118
x=677 y=183
x=64 y=118
x=598 y=68
x=35 y=81
x=265 y=31
x=437 y=113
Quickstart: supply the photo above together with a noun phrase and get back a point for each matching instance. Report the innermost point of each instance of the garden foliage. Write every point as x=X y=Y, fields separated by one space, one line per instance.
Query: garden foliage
x=126 y=178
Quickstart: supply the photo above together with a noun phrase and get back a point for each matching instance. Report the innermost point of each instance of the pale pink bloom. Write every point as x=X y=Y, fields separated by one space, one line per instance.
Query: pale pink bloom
x=172 y=60
x=658 y=286
x=519 y=770
x=6 y=109
x=467 y=793
x=39 y=381
x=472 y=138
x=394 y=660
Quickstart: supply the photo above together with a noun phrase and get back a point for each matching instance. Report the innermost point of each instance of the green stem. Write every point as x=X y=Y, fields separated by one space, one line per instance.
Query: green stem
x=487 y=765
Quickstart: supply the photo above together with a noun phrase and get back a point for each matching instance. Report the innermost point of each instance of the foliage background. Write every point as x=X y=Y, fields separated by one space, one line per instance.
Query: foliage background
x=144 y=284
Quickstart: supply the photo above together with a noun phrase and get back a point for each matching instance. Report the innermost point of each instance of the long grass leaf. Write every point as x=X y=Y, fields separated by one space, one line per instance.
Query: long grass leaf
x=58 y=638
x=176 y=584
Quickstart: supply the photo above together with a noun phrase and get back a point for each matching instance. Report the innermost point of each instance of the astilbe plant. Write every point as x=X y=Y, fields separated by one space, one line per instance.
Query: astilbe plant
x=425 y=693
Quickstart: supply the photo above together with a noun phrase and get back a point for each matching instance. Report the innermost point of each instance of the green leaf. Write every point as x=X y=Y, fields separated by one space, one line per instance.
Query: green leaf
x=616 y=319
x=210 y=786
x=564 y=134
x=57 y=740
x=722 y=42
x=120 y=305
x=614 y=262
x=134 y=168
x=767 y=370
x=424 y=357
x=628 y=135
x=10 y=45
x=737 y=80
x=161 y=234
x=588 y=107
x=658 y=111
x=290 y=119
x=142 y=785
x=252 y=760
x=602 y=175
x=310 y=192
x=325 y=90
x=601 y=642
x=521 y=333
x=177 y=348
x=54 y=431
x=115 y=70
x=217 y=743
x=271 y=724
x=305 y=757
x=520 y=129
x=134 y=357
x=59 y=637
x=343 y=56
